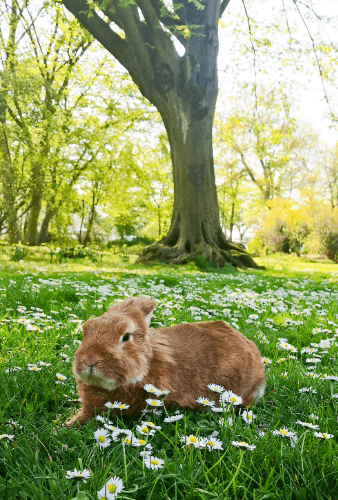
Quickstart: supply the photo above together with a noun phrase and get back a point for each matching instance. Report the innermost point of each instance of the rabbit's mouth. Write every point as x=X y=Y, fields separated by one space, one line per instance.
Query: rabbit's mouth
x=91 y=376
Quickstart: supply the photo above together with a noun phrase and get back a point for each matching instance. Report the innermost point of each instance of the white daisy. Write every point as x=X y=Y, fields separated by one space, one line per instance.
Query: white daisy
x=306 y=424
x=102 y=438
x=151 y=388
x=266 y=361
x=248 y=416
x=213 y=443
x=7 y=436
x=154 y=402
x=243 y=445
x=42 y=363
x=174 y=418
x=323 y=435
x=138 y=441
x=205 y=401
x=231 y=397
x=125 y=435
x=151 y=424
x=197 y=442
x=59 y=376
x=216 y=388
x=33 y=368
x=84 y=475
x=285 y=433
x=117 y=404
x=145 y=430
x=308 y=389
x=111 y=489
x=152 y=462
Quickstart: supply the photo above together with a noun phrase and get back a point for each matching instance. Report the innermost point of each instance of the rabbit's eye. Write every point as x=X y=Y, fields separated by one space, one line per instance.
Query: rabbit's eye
x=125 y=338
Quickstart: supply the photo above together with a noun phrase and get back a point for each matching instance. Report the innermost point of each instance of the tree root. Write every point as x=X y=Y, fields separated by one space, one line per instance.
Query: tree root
x=234 y=254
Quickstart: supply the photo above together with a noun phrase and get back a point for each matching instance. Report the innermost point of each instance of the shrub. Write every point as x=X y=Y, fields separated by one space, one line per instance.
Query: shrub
x=19 y=253
x=76 y=253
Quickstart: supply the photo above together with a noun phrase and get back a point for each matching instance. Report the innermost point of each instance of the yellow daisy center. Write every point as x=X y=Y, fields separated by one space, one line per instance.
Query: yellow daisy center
x=325 y=435
x=102 y=439
x=283 y=431
x=151 y=390
x=141 y=441
x=155 y=462
x=151 y=424
x=145 y=429
x=127 y=441
x=211 y=443
x=233 y=399
x=121 y=406
x=193 y=439
x=248 y=416
x=154 y=403
x=243 y=443
x=205 y=401
x=111 y=488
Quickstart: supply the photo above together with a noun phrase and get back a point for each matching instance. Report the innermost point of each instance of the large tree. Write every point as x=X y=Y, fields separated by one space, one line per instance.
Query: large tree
x=141 y=34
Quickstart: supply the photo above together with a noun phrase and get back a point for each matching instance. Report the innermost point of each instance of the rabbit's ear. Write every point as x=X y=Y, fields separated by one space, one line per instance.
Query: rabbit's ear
x=147 y=306
x=88 y=327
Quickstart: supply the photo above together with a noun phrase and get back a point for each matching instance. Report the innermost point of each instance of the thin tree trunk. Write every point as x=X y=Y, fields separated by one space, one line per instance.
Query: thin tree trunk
x=92 y=215
x=232 y=219
x=33 y=217
x=8 y=178
x=82 y=219
x=50 y=212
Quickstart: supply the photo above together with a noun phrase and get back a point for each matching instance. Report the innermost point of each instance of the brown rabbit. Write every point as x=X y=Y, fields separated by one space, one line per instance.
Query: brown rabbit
x=120 y=354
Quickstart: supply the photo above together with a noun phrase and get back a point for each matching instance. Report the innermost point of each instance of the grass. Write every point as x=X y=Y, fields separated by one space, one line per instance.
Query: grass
x=41 y=311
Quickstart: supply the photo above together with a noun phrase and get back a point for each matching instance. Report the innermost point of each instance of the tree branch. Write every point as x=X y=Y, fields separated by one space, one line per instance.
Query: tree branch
x=100 y=30
x=224 y=5
x=317 y=60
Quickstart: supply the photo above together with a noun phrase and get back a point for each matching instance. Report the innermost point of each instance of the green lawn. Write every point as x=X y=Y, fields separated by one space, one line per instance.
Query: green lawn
x=42 y=308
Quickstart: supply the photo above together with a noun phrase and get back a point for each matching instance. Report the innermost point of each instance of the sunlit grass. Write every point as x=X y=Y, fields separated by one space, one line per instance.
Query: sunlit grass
x=41 y=314
x=305 y=264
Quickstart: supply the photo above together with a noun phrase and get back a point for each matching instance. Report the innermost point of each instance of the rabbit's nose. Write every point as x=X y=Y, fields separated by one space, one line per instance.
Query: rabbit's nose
x=91 y=369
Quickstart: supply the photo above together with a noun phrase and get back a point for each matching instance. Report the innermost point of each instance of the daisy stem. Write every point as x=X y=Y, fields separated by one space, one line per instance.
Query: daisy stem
x=125 y=462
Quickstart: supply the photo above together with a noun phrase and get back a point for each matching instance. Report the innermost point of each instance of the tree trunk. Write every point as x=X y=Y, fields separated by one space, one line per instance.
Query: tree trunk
x=31 y=236
x=8 y=178
x=43 y=234
x=232 y=216
x=195 y=227
x=92 y=215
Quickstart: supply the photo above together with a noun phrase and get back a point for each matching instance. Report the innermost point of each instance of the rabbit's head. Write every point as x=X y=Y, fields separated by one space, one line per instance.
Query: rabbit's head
x=115 y=350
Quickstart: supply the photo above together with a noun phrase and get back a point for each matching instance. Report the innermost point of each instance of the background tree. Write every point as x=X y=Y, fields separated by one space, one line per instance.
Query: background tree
x=260 y=133
x=184 y=91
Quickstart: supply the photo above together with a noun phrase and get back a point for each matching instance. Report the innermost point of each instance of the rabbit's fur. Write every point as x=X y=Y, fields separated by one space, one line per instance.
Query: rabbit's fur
x=111 y=365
